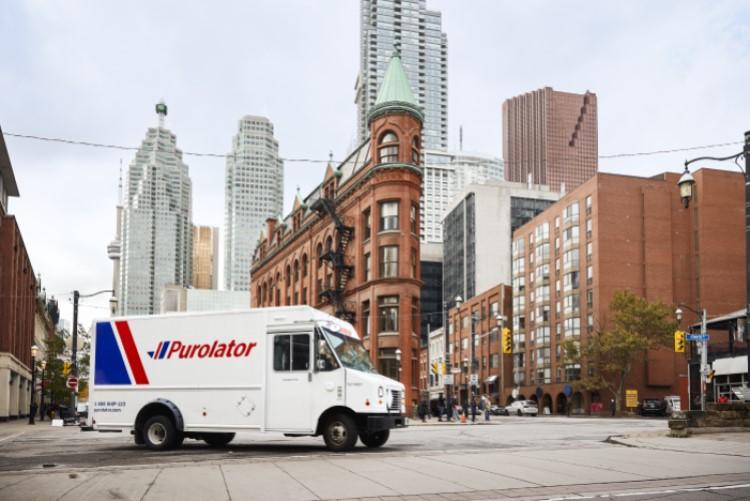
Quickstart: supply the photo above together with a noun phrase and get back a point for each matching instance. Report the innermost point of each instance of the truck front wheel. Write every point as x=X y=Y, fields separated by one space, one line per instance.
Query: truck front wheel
x=376 y=439
x=160 y=434
x=340 y=433
x=218 y=439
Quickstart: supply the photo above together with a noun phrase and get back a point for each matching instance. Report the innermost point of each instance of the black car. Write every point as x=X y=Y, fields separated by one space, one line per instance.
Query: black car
x=653 y=407
x=499 y=410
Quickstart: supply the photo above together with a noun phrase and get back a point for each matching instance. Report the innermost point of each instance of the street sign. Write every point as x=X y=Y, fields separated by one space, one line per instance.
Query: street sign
x=514 y=393
x=455 y=370
x=474 y=380
x=697 y=337
x=449 y=379
x=631 y=398
x=567 y=390
x=72 y=383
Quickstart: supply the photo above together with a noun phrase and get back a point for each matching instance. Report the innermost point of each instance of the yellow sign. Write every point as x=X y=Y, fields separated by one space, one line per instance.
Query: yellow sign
x=631 y=398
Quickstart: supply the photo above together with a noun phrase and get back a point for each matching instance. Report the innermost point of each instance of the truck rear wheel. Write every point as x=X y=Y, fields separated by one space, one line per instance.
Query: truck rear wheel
x=160 y=434
x=340 y=433
x=218 y=439
x=376 y=439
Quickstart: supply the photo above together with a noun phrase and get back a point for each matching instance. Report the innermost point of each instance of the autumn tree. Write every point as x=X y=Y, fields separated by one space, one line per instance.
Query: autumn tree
x=635 y=327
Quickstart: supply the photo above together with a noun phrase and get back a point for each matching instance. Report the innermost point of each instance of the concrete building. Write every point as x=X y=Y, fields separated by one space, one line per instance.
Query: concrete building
x=477 y=233
x=176 y=298
x=435 y=379
x=493 y=370
x=445 y=174
x=551 y=137
x=254 y=191
x=18 y=297
x=351 y=247
x=205 y=257
x=431 y=295
x=157 y=233
x=615 y=233
x=417 y=34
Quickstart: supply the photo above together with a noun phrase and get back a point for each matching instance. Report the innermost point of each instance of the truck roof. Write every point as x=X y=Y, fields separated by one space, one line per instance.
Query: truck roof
x=280 y=315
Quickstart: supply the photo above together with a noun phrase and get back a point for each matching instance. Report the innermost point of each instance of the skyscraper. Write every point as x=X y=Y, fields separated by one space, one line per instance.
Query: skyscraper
x=205 y=257
x=157 y=231
x=552 y=137
x=445 y=173
x=254 y=191
x=416 y=32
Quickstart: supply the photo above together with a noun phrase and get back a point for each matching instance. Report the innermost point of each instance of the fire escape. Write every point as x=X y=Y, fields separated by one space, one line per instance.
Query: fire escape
x=335 y=258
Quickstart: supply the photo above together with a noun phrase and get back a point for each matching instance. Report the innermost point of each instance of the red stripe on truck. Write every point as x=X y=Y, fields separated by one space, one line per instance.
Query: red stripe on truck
x=139 y=374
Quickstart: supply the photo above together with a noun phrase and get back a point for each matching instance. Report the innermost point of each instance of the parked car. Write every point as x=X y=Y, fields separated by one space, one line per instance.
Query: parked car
x=523 y=408
x=673 y=404
x=653 y=407
x=499 y=410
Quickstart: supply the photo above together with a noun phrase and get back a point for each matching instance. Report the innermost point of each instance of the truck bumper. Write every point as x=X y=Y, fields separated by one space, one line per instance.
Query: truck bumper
x=380 y=422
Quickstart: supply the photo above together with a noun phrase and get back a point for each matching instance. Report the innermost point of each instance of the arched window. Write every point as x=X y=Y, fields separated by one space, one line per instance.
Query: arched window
x=296 y=271
x=415 y=150
x=319 y=252
x=329 y=244
x=388 y=148
x=288 y=275
x=304 y=265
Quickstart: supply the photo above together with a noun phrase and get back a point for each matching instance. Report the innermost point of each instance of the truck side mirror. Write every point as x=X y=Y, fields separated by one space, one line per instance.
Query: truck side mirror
x=320 y=364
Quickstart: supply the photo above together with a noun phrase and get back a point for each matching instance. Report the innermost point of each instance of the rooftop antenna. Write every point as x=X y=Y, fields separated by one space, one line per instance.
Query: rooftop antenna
x=161 y=110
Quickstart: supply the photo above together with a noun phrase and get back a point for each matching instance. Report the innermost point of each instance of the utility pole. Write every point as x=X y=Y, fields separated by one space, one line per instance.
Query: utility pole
x=473 y=356
x=746 y=152
x=74 y=349
x=704 y=360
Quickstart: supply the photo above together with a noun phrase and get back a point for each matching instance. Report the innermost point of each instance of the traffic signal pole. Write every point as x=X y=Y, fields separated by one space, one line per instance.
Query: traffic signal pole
x=704 y=361
x=74 y=349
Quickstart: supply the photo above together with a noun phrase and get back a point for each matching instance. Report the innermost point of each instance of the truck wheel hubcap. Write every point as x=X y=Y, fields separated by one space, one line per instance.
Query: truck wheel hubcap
x=156 y=433
x=338 y=432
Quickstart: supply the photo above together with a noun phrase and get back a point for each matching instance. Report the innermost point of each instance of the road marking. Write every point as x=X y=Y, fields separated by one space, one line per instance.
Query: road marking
x=649 y=493
x=11 y=437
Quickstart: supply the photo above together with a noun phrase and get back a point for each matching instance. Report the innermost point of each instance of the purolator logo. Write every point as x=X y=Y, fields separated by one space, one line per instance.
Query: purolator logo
x=177 y=349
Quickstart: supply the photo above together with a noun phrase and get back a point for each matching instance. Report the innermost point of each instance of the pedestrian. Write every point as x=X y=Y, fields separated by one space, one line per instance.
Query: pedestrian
x=422 y=411
x=34 y=408
x=567 y=407
x=486 y=408
x=612 y=406
x=473 y=410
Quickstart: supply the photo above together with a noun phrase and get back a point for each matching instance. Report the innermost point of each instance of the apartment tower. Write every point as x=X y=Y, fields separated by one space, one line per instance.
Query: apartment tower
x=254 y=191
x=416 y=33
x=550 y=138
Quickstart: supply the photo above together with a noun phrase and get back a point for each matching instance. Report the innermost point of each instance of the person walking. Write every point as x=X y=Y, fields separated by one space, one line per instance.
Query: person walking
x=473 y=410
x=612 y=406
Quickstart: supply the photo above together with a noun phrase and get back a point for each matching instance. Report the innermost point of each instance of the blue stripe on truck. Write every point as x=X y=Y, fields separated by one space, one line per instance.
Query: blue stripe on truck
x=164 y=349
x=110 y=367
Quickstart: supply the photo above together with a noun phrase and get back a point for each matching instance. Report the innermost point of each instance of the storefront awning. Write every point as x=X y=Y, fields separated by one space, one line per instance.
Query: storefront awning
x=726 y=366
x=491 y=379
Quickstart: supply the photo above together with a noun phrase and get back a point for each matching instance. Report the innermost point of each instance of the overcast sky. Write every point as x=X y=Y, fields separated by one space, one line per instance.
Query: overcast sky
x=668 y=74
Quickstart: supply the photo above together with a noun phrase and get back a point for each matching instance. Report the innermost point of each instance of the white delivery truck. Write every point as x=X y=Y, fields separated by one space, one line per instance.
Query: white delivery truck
x=294 y=370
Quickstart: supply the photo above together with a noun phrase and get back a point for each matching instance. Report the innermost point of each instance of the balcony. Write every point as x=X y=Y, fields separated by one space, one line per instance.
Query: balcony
x=571 y=243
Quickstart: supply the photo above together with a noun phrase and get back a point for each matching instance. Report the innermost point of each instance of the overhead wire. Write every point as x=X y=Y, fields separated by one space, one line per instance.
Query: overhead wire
x=93 y=144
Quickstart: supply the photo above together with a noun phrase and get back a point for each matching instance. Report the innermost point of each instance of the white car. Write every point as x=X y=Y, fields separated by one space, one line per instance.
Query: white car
x=523 y=408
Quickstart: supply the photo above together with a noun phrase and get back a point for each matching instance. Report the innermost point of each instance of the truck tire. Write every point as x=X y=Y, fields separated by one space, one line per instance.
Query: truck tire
x=340 y=433
x=159 y=434
x=377 y=439
x=519 y=413
x=218 y=439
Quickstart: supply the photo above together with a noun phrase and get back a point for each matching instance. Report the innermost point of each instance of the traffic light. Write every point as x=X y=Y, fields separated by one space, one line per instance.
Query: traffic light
x=710 y=376
x=435 y=368
x=507 y=341
x=66 y=368
x=679 y=341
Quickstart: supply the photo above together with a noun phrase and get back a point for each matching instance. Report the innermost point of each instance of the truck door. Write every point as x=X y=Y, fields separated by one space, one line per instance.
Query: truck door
x=289 y=395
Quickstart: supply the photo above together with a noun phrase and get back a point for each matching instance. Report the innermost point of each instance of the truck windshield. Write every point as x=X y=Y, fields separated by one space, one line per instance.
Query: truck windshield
x=350 y=351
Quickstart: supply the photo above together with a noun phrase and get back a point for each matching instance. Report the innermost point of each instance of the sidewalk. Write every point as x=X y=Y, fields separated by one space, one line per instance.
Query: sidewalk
x=725 y=444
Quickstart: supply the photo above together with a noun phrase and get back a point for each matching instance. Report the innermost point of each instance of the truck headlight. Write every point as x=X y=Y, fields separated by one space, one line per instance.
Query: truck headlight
x=380 y=392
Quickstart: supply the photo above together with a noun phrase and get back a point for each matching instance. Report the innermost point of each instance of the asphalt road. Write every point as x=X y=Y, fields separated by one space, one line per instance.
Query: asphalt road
x=48 y=447
x=520 y=458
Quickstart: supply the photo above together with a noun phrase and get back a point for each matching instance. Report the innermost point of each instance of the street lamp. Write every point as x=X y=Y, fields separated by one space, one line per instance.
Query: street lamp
x=446 y=332
x=703 y=347
x=474 y=380
x=686 y=184
x=32 y=403
x=41 y=403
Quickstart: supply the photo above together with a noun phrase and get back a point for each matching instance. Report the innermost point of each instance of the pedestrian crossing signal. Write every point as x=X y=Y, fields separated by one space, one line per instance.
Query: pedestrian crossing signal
x=679 y=341
x=507 y=341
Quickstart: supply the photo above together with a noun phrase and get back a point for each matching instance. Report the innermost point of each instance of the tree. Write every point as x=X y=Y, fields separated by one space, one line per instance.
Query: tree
x=54 y=371
x=636 y=327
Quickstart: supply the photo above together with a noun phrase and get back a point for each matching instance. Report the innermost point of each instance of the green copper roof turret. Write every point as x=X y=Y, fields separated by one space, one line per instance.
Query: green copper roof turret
x=395 y=93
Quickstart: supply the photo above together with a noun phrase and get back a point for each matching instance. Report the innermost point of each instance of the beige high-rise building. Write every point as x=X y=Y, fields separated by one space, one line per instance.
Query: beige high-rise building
x=552 y=137
x=205 y=257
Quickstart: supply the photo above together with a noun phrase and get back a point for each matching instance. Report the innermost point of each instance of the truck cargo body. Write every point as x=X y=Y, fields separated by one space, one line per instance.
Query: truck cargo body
x=288 y=370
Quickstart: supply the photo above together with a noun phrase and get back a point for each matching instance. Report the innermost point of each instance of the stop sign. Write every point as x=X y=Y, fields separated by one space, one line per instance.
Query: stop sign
x=72 y=383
